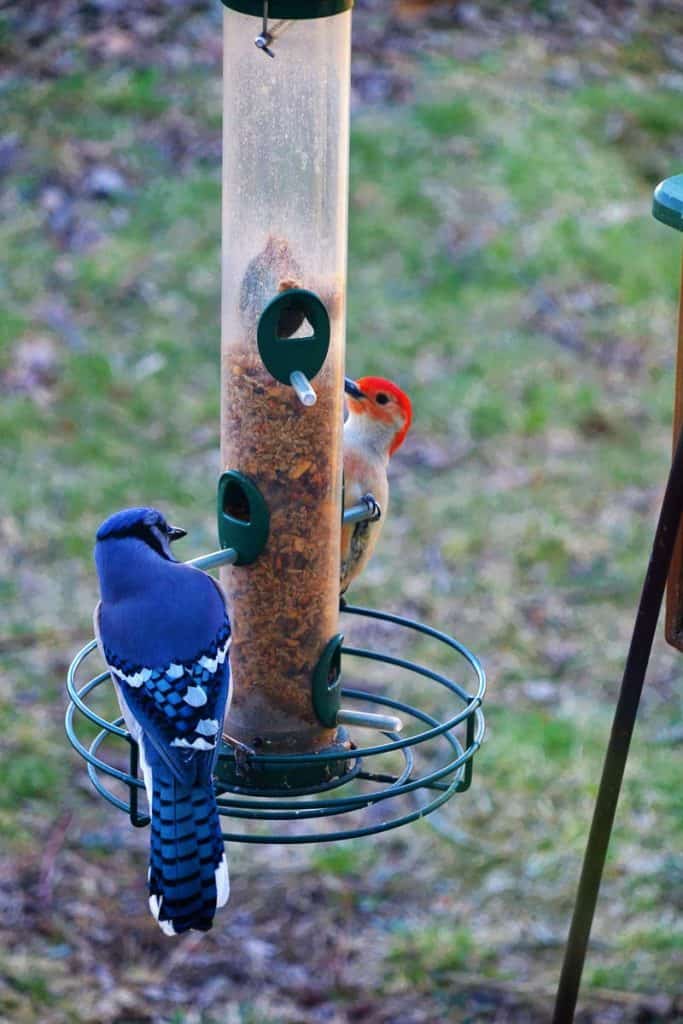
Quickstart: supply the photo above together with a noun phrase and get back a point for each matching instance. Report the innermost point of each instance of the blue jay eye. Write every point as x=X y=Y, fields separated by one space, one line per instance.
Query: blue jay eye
x=381 y=398
x=154 y=541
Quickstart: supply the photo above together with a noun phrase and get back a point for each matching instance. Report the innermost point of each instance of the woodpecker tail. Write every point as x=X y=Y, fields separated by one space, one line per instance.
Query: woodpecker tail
x=188 y=871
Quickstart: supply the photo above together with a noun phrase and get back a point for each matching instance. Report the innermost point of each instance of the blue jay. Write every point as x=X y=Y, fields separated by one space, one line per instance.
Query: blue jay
x=164 y=633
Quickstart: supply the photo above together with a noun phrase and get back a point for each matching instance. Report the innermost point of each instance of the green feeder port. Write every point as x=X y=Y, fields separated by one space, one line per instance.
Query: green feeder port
x=243 y=517
x=327 y=682
x=284 y=355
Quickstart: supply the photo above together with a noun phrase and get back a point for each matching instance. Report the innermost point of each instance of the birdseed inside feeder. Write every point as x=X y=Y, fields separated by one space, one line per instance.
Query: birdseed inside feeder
x=285 y=187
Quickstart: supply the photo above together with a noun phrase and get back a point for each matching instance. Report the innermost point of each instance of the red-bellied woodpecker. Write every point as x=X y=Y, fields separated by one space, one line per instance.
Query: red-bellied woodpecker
x=378 y=421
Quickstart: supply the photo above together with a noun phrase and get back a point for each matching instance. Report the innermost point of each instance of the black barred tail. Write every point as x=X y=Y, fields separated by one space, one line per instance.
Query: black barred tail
x=188 y=873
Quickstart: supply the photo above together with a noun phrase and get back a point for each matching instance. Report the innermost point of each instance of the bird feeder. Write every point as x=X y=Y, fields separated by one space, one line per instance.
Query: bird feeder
x=280 y=496
x=285 y=187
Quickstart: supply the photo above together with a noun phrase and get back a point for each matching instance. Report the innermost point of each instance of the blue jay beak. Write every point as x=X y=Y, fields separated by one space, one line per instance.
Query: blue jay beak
x=351 y=388
x=175 y=533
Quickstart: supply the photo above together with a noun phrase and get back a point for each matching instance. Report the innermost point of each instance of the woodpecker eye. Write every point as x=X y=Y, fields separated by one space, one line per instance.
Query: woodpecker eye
x=381 y=398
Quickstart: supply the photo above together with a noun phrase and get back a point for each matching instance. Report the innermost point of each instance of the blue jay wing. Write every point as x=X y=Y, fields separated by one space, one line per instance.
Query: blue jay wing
x=179 y=706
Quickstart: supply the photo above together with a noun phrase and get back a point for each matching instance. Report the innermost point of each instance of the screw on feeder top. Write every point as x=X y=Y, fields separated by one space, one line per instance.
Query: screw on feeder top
x=265 y=38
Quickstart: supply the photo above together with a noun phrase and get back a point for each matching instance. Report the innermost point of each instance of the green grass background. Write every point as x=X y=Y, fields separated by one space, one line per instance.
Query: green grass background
x=505 y=269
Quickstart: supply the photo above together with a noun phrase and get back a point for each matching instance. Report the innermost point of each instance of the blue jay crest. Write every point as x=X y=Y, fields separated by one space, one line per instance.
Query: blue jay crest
x=164 y=632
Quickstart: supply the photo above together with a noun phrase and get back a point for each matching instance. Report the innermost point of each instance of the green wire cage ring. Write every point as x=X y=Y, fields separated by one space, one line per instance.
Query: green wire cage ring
x=386 y=785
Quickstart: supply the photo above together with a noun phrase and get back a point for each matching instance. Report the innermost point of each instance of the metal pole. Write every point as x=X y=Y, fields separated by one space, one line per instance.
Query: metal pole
x=619 y=741
x=674 y=592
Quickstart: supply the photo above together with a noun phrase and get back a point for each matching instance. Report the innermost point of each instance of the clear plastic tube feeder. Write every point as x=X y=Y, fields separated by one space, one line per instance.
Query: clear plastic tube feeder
x=285 y=189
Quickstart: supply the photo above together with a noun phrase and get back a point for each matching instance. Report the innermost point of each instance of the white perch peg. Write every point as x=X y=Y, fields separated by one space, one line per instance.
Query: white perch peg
x=367 y=720
x=227 y=556
x=302 y=386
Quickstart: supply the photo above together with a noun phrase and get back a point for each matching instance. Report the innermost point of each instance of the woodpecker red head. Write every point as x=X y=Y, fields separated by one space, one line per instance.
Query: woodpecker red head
x=379 y=419
x=384 y=407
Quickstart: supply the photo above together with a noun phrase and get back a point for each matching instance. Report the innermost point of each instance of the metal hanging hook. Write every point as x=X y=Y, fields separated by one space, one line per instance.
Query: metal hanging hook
x=270 y=34
x=264 y=40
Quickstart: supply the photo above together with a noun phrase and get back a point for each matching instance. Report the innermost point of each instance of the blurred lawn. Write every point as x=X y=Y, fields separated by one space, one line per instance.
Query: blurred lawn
x=505 y=269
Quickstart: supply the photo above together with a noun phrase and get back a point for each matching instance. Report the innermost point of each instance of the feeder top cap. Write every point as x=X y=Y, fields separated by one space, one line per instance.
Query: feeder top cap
x=290 y=8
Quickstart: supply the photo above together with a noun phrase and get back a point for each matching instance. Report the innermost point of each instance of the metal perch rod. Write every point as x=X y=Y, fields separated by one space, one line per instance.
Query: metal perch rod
x=369 y=720
x=302 y=387
x=356 y=514
x=228 y=556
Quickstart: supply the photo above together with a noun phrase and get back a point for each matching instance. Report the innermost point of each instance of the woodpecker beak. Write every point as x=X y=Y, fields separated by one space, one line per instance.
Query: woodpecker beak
x=175 y=533
x=351 y=388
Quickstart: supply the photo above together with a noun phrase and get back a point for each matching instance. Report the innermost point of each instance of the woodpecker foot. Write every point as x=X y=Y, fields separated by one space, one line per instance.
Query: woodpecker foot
x=373 y=507
x=342 y=602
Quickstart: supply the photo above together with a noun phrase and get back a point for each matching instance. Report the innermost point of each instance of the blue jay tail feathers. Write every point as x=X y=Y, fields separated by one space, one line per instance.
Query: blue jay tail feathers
x=188 y=871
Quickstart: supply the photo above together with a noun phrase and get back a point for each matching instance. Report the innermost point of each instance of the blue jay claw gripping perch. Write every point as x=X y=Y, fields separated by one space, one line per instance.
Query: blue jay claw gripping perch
x=286 y=755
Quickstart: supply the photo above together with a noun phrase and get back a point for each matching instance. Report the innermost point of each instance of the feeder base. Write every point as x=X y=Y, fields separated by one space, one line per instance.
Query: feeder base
x=237 y=770
x=398 y=780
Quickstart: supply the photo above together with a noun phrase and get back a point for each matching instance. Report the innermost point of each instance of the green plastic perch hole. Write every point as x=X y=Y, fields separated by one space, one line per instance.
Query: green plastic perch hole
x=243 y=516
x=291 y=774
x=327 y=682
x=283 y=352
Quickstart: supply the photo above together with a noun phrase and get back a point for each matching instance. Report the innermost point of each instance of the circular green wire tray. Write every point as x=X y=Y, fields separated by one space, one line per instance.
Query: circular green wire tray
x=444 y=746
